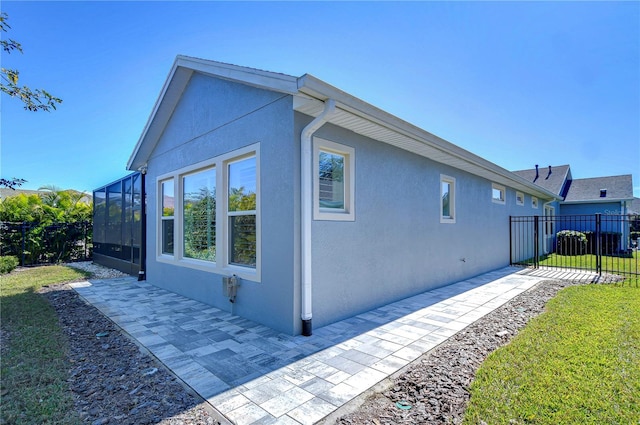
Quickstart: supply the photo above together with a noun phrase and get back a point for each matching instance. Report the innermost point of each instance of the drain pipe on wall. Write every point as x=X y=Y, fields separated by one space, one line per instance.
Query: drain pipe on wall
x=306 y=193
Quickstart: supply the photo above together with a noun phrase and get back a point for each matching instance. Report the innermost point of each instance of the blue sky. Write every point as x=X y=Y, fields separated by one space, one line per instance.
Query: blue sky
x=516 y=83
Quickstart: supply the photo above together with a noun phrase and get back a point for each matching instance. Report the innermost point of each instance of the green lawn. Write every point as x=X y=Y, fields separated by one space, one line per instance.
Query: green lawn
x=626 y=266
x=34 y=366
x=577 y=363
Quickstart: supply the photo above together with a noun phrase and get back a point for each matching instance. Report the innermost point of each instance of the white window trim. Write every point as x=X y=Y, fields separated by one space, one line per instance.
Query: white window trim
x=521 y=196
x=534 y=202
x=503 y=190
x=161 y=255
x=239 y=155
x=452 y=199
x=348 y=213
x=220 y=266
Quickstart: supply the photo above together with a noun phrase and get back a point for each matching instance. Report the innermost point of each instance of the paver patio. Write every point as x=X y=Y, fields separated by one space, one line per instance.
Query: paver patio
x=252 y=374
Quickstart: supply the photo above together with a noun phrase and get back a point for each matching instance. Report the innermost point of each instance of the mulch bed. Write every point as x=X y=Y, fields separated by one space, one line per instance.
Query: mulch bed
x=112 y=380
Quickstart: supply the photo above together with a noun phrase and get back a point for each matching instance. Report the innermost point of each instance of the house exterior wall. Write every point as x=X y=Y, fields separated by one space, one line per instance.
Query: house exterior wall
x=397 y=246
x=215 y=117
x=612 y=219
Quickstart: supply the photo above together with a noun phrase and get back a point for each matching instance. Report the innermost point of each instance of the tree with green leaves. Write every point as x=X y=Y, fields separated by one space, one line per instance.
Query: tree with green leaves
x=34 y=100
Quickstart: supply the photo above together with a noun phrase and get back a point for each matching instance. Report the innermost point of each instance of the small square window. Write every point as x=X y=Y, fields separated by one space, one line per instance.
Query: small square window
x=333 y=181
x=534 y=202
x=447 y=199
x=497 y=193
x=520 y=198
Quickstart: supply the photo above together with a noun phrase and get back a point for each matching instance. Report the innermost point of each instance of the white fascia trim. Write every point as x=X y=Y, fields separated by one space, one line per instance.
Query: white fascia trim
x=171 y=91
x=597 y=201
x=242 y=74
x=317 y=88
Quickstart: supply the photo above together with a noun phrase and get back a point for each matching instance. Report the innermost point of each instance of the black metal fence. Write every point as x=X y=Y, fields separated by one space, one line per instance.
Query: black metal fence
x=596 y=243
x=34 y=243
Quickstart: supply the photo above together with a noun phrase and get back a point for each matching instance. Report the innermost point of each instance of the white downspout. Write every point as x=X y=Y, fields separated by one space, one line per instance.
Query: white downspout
x=306 y=193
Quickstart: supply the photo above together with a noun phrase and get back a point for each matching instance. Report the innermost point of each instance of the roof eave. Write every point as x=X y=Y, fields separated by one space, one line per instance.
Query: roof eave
x=314 y=87
x=597 y=201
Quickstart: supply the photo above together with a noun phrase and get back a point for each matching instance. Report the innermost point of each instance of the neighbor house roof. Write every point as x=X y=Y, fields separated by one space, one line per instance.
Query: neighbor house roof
x=551 y=178
x=601 y=189
x=309 y=94
x=7 y=193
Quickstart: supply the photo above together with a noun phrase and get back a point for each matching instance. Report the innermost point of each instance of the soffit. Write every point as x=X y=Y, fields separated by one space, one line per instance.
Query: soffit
x=425 y=144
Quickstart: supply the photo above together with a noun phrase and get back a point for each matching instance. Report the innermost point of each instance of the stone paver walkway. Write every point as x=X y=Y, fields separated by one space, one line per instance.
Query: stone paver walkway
x=252 y=374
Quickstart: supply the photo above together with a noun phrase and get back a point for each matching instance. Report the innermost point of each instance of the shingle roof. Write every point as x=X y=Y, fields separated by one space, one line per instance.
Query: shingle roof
x=552 y=182
x=616 y=188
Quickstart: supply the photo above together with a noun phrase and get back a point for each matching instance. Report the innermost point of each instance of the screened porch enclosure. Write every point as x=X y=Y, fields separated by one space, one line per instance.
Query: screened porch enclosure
x=118 y=224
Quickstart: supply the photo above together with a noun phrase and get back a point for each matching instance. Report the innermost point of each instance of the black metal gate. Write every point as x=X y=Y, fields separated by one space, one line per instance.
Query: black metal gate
x=597 y=243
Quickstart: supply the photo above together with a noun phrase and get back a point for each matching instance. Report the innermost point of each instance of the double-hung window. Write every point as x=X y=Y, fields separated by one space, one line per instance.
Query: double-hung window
x=167 y=218
x=333 y=181
x=241 y=212
x=447 y=199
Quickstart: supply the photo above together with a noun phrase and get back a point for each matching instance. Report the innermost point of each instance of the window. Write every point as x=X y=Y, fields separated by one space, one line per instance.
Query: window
x=519 y=198
x=199 y=215
x=168 y=207
x=241 y=213
x=209 y=215
x=447 y=199
x=497 y=193
x=333 y=181
x=534 y=202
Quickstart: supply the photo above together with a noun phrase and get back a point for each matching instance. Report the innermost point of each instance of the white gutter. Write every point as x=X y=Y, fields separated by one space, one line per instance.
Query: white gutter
x=306 y=193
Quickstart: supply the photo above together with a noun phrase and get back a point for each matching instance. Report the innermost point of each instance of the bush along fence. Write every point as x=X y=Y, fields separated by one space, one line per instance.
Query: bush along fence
x=598 y=243
x=35 y=243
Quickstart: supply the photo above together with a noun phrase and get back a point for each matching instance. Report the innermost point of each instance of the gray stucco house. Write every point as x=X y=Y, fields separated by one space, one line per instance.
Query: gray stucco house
x=321 y=205
x=605 y=195
x=609 y=196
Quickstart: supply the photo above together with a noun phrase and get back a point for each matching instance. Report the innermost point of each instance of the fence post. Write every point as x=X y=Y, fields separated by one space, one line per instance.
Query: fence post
x=598 y=244
x=510 y=241
x=24 y=224
x=536 y=241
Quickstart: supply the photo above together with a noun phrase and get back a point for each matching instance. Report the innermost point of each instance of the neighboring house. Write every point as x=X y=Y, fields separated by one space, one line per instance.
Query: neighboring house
x=634 y=207
x=322 y=205
x=610 y=196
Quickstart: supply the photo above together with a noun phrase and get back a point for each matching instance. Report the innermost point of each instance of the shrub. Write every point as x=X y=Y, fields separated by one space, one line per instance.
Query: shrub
x=571 y=242
x=8 y=263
